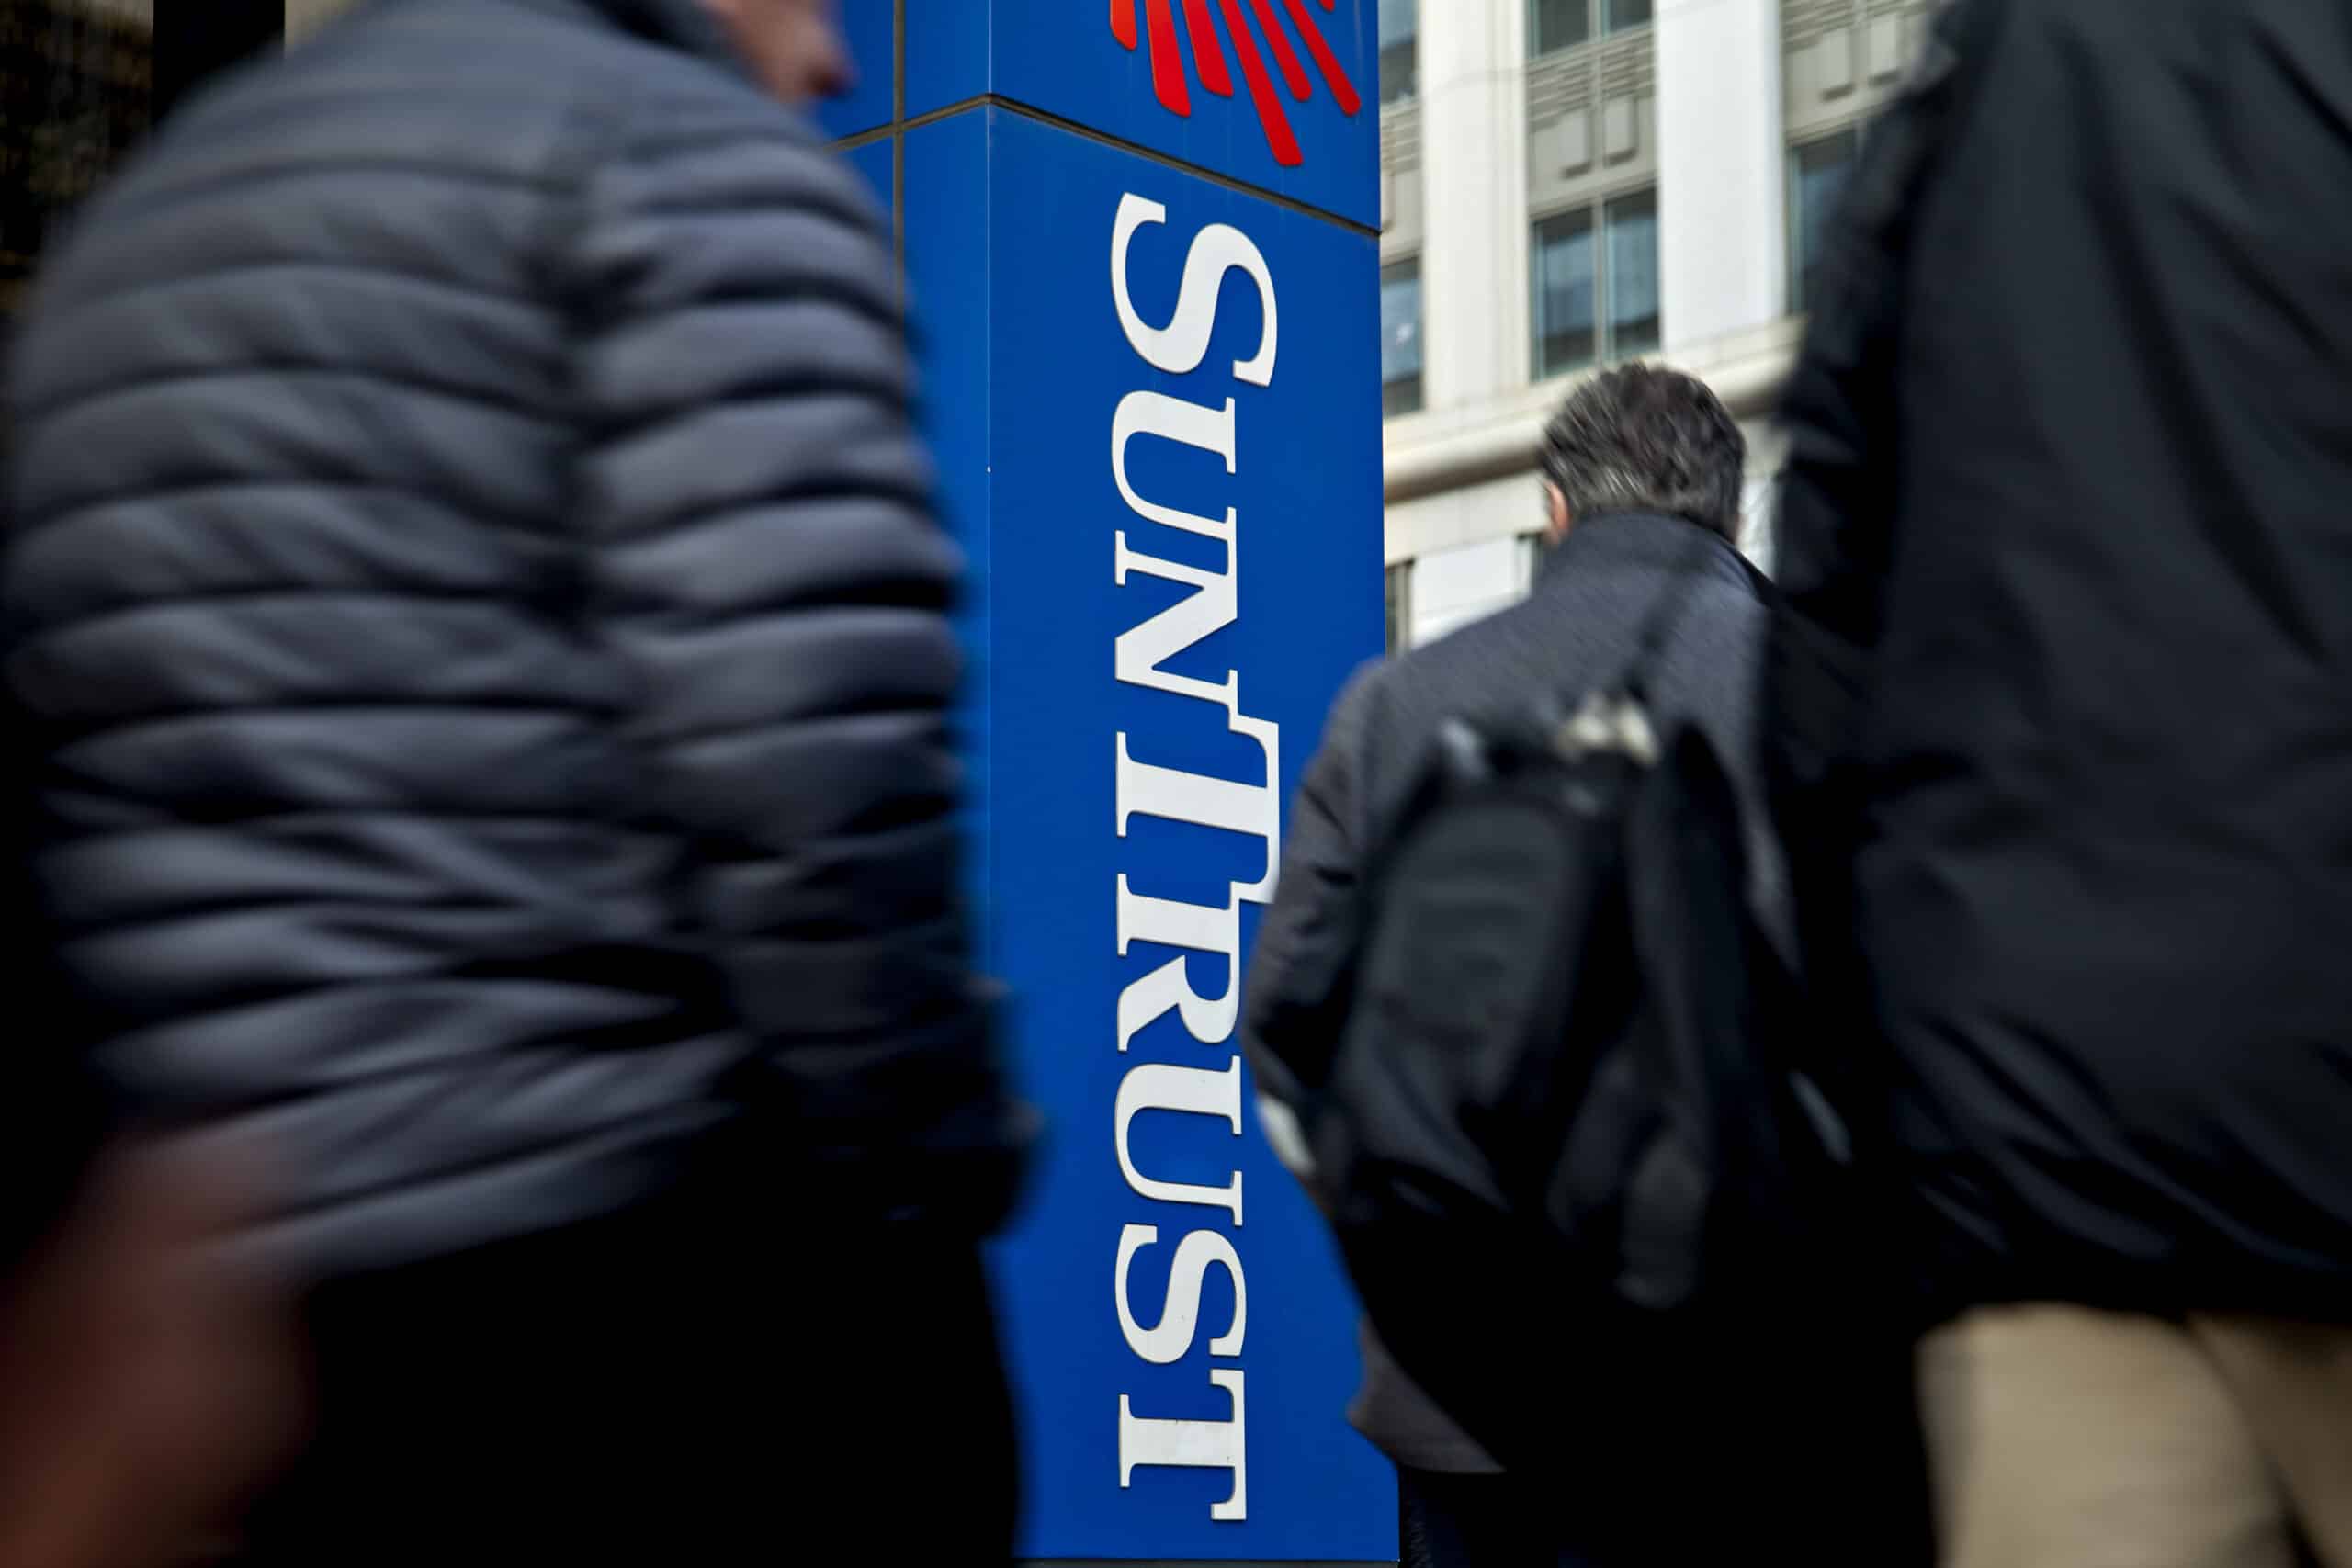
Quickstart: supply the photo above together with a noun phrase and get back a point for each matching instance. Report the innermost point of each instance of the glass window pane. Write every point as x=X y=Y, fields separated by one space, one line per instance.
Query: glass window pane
x=1400 y=606
x=1817 y=172
x=1400 y=338
x=1401 y=66
x=1564 y=293
x=1555 y=25
x=1399 y=49
x=1624 y=14
x=1633 y=275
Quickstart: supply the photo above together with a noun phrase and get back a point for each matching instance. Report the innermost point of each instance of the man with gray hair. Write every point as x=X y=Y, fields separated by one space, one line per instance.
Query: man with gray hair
x=1643 y=472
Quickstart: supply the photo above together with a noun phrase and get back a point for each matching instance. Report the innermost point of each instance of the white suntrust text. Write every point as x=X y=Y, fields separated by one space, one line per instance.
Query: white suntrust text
x=1250 y=807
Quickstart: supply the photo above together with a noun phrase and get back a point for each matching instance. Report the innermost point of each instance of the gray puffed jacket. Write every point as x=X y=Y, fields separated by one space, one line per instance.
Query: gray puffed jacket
x=483 y=644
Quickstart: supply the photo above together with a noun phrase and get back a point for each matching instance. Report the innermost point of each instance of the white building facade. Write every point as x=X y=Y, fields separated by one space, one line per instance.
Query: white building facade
x=1569 y=184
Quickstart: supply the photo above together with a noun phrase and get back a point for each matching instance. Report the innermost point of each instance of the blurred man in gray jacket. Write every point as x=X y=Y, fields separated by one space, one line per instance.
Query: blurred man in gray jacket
x=482 y=638
x=1644 y=473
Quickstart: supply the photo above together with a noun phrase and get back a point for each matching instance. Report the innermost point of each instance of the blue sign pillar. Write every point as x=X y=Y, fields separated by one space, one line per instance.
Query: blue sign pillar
x=1140 y=238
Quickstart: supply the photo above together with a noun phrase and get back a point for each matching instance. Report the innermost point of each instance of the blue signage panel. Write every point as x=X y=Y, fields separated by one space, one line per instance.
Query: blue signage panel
x=1155 y=403
x=948 y=52
x=1281 y=95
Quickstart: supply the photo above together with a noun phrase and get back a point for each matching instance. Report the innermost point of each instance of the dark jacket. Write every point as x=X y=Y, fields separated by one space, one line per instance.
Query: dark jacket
x=1579 y=630
x=472 y=588
x=2061 y=730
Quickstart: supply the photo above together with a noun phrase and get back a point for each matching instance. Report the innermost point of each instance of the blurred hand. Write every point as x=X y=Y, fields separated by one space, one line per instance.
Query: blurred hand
x=143 y=1392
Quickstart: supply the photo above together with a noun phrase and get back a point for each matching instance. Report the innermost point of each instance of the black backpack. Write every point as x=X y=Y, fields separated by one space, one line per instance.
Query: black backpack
x=1592 y=1205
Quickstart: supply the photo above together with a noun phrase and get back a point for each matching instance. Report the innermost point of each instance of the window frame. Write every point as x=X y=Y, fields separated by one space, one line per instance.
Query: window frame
x=1852 y=134
x=1539 y=334
x=1599 y=24
x=1614 y=352
x=1531 y=562
x=1595 y=209
x=1411 y=89
x=1420 y=378
x=1612 y=27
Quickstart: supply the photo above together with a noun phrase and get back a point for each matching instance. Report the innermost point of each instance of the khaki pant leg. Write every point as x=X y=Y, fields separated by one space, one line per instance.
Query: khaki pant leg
x=2059 y=1438
x=2294 y=1381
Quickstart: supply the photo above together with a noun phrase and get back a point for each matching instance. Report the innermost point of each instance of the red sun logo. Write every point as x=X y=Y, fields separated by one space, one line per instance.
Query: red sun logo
x=1208 y=59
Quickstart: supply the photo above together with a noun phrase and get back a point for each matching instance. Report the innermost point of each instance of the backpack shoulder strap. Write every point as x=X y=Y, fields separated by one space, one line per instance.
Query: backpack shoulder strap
x=1666 y=614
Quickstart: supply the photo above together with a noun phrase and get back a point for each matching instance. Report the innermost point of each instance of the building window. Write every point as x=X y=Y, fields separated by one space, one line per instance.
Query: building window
x=1596 y=302
x=1400 y=50
x=1564 y=290
x=1531 y=560
x=1818 y=172
x=1630 y=275
x=1400 y=338
x=1619 y=15
x=1400 y=607
x=1555 y=25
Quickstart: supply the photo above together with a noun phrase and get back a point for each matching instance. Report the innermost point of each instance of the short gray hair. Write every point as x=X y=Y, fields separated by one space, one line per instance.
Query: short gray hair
x=1641 y=438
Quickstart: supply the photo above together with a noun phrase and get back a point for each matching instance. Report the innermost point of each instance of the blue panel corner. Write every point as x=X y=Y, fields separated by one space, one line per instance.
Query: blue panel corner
x=946 y=211
x=949 y=55
x=870 y=27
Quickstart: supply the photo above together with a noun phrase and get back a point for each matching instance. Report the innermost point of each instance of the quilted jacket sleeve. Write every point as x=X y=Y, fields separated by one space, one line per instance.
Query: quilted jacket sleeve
x=767 y=563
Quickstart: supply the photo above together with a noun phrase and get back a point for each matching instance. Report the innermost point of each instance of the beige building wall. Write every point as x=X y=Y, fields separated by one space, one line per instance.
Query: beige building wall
x=1704 y=103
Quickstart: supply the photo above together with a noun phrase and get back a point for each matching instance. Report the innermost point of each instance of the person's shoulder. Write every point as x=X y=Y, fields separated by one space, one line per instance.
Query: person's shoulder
x=1734 y=600
x=1488 y=651
x=1478 y=672
x=1567 y=634
x=592 y=86
x=349 y=141
x=697 y=137
x=1714 y=661
x=448 y=87
x=1354 y=714
x=568 y=48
